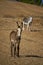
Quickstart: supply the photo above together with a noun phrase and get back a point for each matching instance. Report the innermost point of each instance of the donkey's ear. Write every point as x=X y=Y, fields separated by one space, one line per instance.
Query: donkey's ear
x=21 y=24
x=17 y=23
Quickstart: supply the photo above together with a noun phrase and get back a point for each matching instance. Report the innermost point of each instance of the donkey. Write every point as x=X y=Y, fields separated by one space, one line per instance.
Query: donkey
x=27 y=21
x=15 y=37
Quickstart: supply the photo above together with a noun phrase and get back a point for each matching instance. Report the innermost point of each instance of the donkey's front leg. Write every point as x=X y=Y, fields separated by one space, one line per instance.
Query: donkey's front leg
x=23 y=26
x=14 y=49
x=28 y=27
x=11 y=49
x=17 y=50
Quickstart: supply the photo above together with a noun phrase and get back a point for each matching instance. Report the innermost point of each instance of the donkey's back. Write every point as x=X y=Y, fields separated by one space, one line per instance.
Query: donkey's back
x=13 y=36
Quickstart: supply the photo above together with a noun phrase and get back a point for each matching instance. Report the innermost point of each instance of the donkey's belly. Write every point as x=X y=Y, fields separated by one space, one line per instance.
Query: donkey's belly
x=13 y=41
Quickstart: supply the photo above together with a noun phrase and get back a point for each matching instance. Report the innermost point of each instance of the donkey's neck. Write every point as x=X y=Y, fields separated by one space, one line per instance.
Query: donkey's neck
x=19 y=32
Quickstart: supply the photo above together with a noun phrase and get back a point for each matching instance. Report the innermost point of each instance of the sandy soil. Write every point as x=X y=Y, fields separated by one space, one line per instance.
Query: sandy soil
x=31 y=46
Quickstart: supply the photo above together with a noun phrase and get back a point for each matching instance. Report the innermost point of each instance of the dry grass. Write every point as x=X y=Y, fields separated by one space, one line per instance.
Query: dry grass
x=31 y=46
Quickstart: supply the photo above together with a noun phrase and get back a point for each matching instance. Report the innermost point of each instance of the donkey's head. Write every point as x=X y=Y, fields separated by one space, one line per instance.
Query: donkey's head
x=19 y=25
x=19 y=28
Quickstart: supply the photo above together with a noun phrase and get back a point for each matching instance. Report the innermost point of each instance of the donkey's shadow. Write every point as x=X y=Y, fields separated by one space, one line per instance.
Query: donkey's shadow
x=35 y=56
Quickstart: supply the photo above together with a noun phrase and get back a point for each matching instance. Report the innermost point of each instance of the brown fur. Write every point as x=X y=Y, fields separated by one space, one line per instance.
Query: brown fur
x=15 y=41
x=13 y=35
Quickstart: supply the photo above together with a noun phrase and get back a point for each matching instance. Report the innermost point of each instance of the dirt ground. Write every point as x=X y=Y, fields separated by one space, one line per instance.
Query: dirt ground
x=31 y=46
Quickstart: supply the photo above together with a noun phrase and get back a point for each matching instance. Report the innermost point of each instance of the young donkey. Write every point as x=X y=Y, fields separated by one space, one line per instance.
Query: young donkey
x=15 y=37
